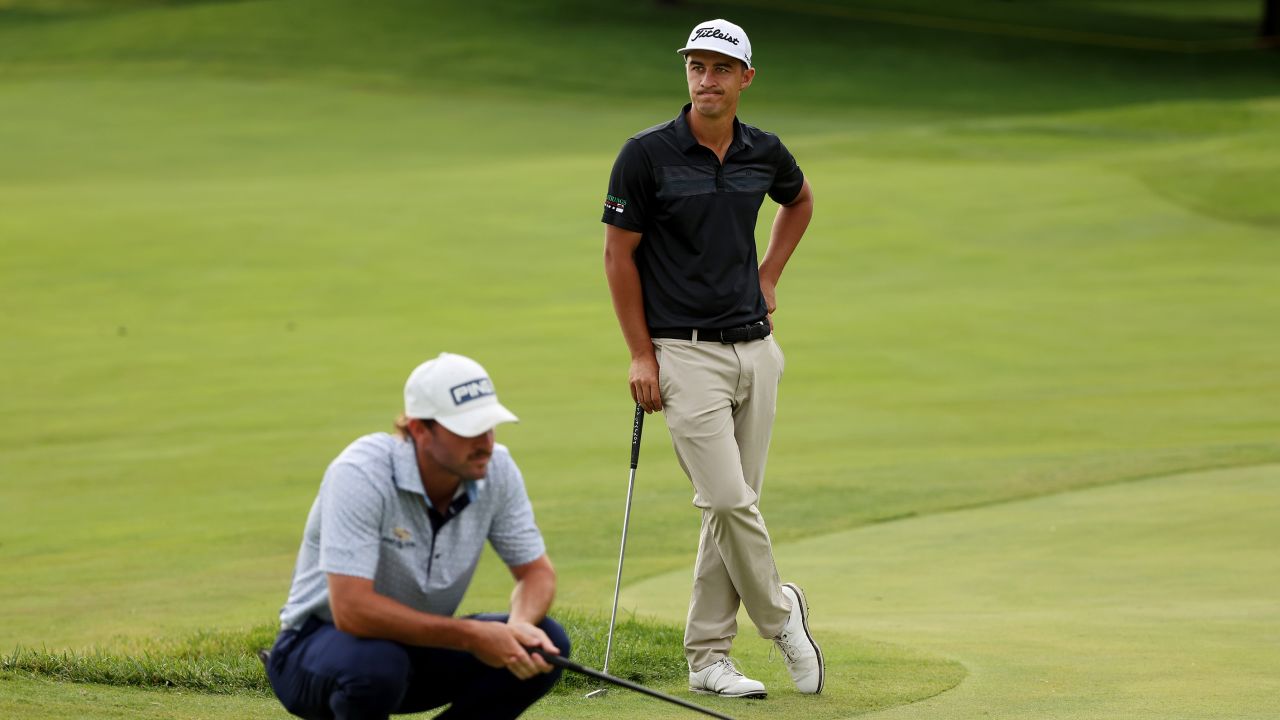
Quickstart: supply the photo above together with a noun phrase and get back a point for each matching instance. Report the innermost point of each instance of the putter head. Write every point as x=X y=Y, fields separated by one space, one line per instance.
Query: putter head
x=597 y=693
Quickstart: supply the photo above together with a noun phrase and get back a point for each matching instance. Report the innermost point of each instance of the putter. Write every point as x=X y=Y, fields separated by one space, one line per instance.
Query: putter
x=637 y=425
x=590 y=672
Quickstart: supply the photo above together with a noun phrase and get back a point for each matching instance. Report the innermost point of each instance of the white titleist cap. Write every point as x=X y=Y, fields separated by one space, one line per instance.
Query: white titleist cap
x=719 y=36
x=456 y=392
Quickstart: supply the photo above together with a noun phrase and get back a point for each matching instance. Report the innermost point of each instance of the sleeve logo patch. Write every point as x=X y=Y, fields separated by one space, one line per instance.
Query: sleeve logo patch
x=403 y=538
x=615 y=204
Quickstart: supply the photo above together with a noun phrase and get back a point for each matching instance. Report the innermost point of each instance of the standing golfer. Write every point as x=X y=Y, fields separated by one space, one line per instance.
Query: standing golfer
x=680 y=256
x=389 y=548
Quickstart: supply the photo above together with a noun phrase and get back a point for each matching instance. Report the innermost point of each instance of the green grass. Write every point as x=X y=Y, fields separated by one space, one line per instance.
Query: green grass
x=1148 y=599
x=229 y=229
x=37 y=698
x=644 y=651
x=225 y=661
x=812 y=56
x=210 y=662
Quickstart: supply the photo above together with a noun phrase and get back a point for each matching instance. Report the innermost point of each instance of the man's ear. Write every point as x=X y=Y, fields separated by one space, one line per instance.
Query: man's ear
x=747 y=77
x=420 y=432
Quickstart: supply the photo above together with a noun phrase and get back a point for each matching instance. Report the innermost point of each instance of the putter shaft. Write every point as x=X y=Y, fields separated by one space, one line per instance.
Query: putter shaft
x=637 y=428
x=617 y=583
x=591 y=672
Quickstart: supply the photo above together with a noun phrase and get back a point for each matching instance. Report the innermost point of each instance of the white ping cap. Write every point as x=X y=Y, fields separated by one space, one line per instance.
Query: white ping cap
x=456 y=392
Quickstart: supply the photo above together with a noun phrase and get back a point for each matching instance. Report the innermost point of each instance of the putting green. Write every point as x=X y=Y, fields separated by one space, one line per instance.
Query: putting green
x=1147 y=599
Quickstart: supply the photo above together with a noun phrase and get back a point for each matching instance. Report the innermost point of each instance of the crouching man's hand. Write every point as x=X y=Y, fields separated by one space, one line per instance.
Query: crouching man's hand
x=532 y=637
x=503 y=645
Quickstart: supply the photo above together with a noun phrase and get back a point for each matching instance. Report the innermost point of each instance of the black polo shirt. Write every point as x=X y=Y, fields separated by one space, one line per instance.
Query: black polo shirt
x=697 y=257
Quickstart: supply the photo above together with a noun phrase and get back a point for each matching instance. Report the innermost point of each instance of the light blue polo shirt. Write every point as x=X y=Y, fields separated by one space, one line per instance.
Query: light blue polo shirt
x=370 y=520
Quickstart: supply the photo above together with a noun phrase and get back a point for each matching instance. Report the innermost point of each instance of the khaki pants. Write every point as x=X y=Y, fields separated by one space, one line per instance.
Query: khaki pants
x=719 y=401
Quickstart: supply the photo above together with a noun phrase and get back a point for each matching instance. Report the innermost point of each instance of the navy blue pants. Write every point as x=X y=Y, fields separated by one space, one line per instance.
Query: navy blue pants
x=322 y=673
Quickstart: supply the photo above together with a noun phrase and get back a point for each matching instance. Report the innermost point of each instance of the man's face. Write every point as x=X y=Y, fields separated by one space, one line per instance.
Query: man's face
x=715 y=82
x=466 y=457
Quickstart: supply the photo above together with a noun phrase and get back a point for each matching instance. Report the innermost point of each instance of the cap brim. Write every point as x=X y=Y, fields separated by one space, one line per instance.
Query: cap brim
x=684 y=52
x=477 y=421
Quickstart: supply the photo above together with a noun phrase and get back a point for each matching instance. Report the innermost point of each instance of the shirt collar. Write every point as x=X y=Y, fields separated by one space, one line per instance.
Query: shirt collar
x=404 y=470
x=688 y=141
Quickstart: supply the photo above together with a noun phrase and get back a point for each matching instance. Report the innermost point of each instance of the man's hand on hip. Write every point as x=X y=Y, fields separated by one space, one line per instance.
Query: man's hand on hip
x=770 y=292
x=644 y=383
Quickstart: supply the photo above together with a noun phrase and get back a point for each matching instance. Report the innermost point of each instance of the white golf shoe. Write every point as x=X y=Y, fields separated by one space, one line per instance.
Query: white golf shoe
x=799 y=651
x=723 y=679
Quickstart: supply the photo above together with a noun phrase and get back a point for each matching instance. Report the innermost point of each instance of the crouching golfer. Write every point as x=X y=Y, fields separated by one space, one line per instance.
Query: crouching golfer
x=390 y=546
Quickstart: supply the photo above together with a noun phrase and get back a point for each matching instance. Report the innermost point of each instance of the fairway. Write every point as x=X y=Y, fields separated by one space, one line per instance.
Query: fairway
x=1025 y=459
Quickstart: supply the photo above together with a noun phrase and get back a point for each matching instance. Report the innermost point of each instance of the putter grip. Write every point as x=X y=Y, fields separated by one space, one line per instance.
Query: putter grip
x=553 y=659
x=636 y=428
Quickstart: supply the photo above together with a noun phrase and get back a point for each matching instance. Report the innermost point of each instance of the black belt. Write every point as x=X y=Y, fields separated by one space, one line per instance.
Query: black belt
x=742 y=333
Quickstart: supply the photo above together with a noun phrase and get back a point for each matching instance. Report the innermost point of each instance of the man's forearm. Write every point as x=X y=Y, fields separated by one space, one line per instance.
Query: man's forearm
x=360 y=611
x=533 y=595
x=378 y=616
x=789 y=226
x=628 y=303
